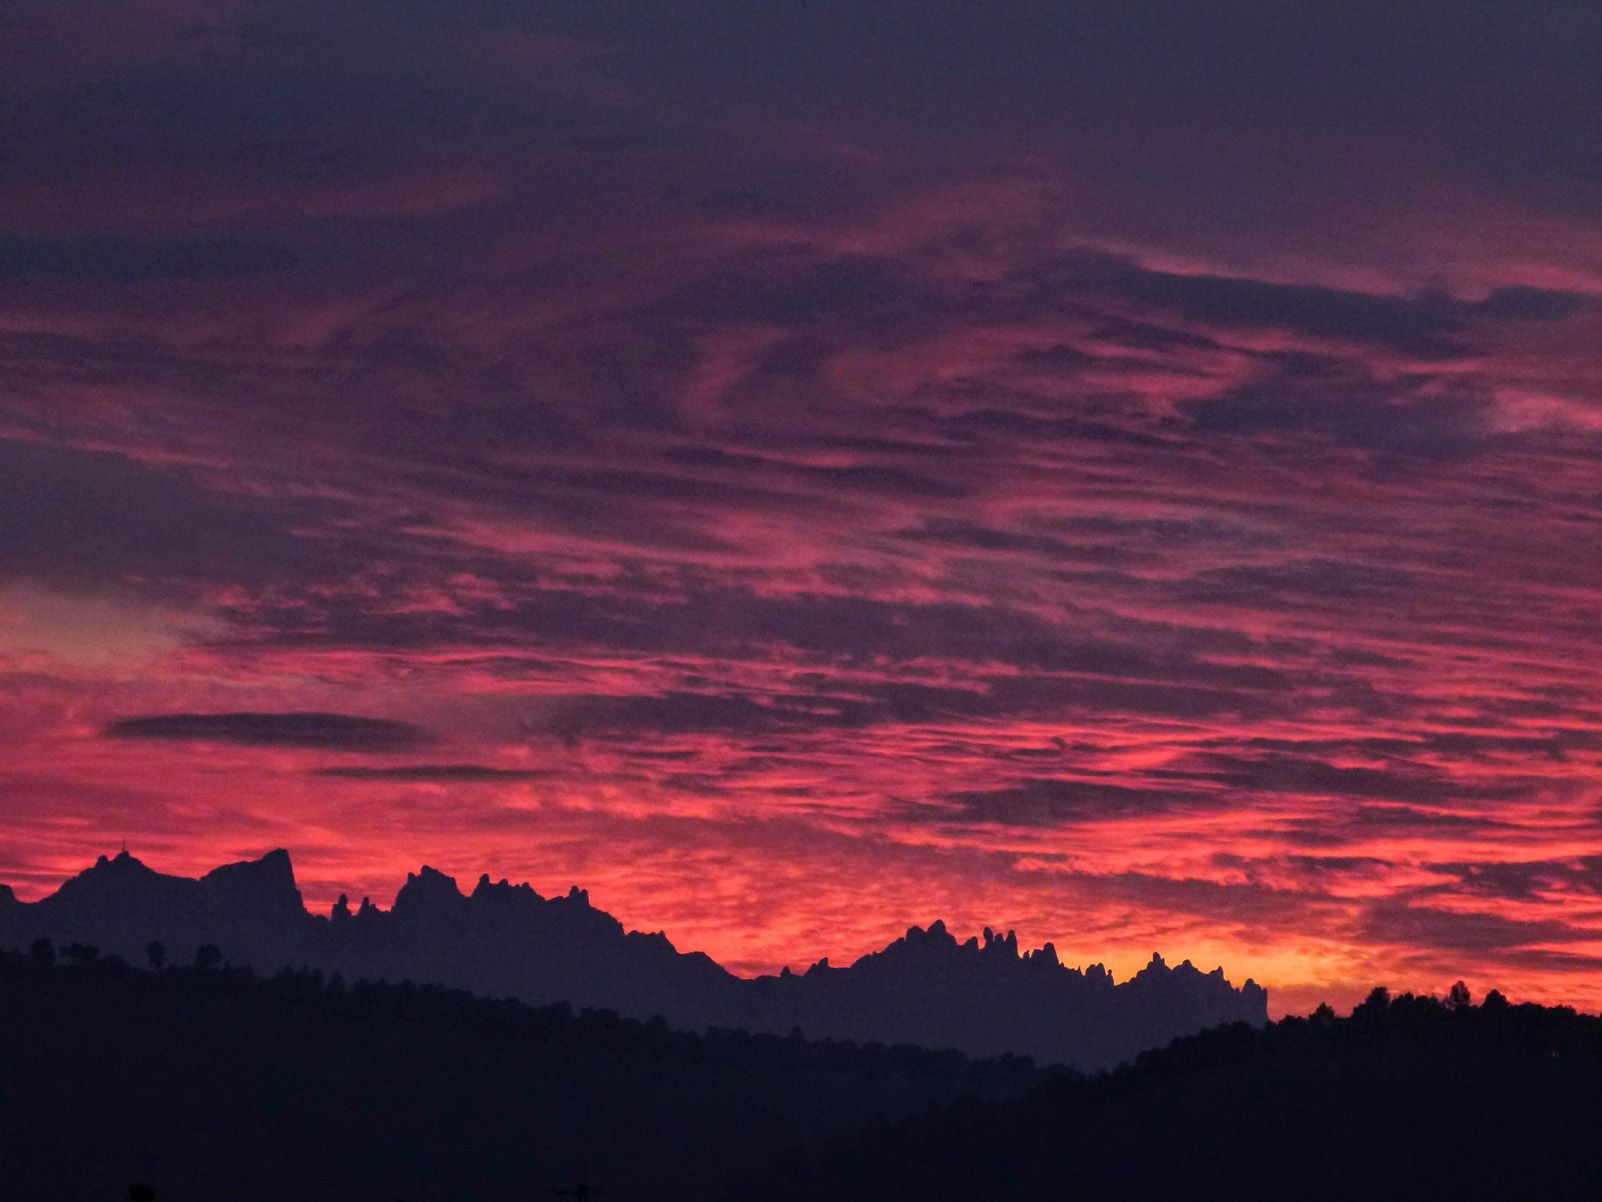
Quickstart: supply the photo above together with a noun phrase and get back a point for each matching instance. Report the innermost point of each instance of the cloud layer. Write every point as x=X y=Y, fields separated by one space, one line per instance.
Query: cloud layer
x=805 y=471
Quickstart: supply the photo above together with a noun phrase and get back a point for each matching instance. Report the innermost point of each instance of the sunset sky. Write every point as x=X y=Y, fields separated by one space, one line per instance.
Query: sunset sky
x=1129 y=472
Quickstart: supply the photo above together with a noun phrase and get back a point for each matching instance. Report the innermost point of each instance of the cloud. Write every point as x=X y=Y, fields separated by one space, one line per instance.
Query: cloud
x=1307 y=775
x=904 y=491
x=1531 y=304
x=1298 y=581
x=1459 y=931
x=436 y=773
x=1529 y=880
x=332 y=732
x=1050 y=801
x=861 y=293
x=1426 y=327
x=128 y=261
x=86 y=518
x=1343 y=403
x=93 y=631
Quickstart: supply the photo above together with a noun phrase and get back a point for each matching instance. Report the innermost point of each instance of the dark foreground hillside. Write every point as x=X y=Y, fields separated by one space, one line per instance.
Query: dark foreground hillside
x=209 y=1083
x=1406 y=1099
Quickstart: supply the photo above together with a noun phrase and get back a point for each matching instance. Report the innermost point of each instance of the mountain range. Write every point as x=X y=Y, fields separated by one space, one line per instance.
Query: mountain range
x=981 y=996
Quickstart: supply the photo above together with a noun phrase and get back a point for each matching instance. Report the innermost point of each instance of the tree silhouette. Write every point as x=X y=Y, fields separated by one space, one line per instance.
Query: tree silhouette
x=1375 y=1004
x=1411 y=1097
x=156 y=953
x=81 y=953
x=208 y=956
x=43 y=953
x=140 y=1192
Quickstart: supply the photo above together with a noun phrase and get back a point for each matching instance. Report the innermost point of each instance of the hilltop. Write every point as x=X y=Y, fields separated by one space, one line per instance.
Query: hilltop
x=1411 y=1097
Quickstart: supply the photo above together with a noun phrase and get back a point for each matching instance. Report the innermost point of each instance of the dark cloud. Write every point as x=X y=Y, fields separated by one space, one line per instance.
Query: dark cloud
x=1085 y=698
x=868 y=478
x=827 y=705
x=128 y=261
x=1342 y=402
x=1377 y=822
x=866 y=294
x=729 y=621
x=1527 y=880
x=81 y=518
x=671 y=713
x=1309 y=776
x=436 y=773
x=332 y=732
x=1227 y=907
x=1557 y=745
x=1050 y=801
x=1398 y=922
x=1531 y=304
x=971 y=536
x=1056 y=359
x=1426 y=327
x=1147 y=336
x=1297 y=581
x=1319 y=866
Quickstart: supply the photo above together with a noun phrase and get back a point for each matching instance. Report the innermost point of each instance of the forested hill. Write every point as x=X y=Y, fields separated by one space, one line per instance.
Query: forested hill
x=1407 y=1099
x=209 y=1082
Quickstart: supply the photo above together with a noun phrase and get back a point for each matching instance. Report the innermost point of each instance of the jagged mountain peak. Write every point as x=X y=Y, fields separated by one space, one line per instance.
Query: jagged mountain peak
x=937 y=941
x=428 y=889
x=935 y=934
x=504 y=898
x=503 y=888
x=276 y=867
x=265 y=886
x=995 y=941
x=120 y=875
x=123 y=863
x=981 y=994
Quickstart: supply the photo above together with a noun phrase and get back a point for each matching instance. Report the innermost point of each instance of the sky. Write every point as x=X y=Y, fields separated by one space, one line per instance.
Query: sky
x=1123 y=472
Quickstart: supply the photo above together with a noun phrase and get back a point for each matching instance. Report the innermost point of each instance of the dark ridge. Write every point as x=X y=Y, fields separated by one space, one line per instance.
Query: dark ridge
x=1412 y=1098
x=206 y=1082
x=984 y=997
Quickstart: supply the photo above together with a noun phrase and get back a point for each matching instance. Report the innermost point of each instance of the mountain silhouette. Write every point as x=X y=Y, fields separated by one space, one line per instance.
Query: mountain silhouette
x=980 y=996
